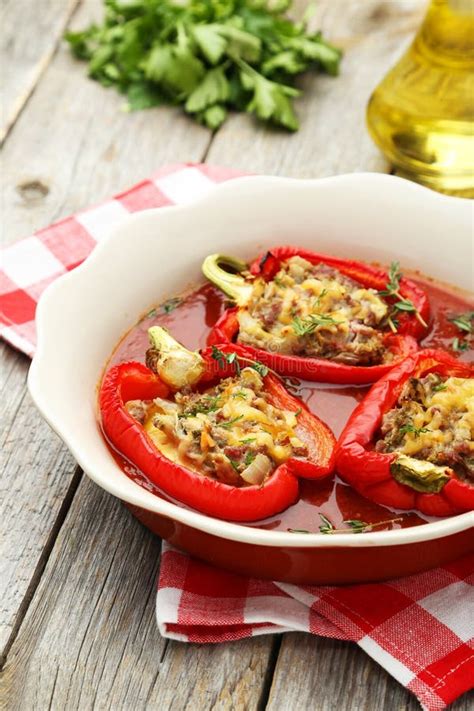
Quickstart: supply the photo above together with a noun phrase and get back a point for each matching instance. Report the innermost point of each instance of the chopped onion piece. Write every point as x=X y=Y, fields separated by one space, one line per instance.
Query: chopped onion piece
x=256 y=472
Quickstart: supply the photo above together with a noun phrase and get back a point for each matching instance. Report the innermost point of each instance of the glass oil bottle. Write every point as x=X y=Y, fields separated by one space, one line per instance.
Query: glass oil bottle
x=422 y=113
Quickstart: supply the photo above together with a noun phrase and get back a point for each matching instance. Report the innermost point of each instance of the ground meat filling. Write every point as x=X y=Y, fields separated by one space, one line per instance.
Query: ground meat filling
x=433 y=421
x=230 y=432
x=313 y=310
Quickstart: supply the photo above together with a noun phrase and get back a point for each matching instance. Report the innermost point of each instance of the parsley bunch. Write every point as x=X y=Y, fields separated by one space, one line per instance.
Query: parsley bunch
x=207 y=55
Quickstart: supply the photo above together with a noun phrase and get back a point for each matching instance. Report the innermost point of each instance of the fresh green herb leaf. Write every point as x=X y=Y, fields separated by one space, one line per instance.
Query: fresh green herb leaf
x=439 y=387
x=210 y=41
x=218 y=355
x=465 y=322
x=356 y=525
x=207 y=55
x=460 y=346
x=315 y=49
x=144 y=95
x=175 y=68
x=240 y=395
x=305 y=326
x=241 y=44
x=213 y=89
x=235 y=465
x=298 y=411
x=297 y=530
x=248 y=440
x=232 y=359
x=151 y=314
x=171 y=304
x=225 y=358
x=353 y=526
x=405 y=305
x=363 y=527
x=259 y=367
x=211 y=404
x=393 y=323
x=319 y=298
x=249 y=457
x=393 y=283
x=392 y=289
x=227 y=424
x=213 y=117
x=288 y=61
x=271 y=101
x=409 y=427
x=326 y=526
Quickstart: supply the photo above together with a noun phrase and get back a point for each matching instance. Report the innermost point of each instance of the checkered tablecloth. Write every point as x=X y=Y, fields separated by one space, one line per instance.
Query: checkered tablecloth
x=30 y=265
x=420 y=629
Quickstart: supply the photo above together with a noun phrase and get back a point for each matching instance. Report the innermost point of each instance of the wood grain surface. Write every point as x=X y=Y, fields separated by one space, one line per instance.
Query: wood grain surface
x=27 y=43
x=77 y=575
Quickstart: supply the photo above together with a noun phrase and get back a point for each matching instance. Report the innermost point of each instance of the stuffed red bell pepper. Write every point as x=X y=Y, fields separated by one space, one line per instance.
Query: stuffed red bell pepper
x=214 y=430
x=409 y=443
x=319 y=317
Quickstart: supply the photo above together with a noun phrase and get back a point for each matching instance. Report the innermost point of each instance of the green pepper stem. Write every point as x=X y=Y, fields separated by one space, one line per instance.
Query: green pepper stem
x=234 y=285
x=419 y=474
x=176 y=365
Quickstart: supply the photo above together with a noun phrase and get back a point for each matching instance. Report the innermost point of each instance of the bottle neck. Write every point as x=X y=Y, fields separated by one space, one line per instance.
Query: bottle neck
x=447 y=32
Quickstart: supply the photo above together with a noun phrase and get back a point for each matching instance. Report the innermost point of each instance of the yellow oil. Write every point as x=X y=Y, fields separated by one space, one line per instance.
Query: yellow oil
x=422 y=113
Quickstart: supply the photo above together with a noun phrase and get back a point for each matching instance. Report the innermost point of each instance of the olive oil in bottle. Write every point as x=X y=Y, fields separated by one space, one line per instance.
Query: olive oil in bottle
x=422 y=113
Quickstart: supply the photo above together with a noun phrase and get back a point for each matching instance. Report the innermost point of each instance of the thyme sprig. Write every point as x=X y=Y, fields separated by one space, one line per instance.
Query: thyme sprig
x=392 y=289
x=305 y=326
x=459 y=345
x=171 y=304
x=354 y=525
x=205 y=406
x=227 y=424
x=465 y=322
x=232 y=359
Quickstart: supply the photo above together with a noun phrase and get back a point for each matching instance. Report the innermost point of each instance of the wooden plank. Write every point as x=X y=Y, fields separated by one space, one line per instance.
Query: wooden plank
x=90 y=640
x=333 y=137
x=327 y=674
x=27 y=44
x=37 y=472
x=218 y=677
x=74 y=145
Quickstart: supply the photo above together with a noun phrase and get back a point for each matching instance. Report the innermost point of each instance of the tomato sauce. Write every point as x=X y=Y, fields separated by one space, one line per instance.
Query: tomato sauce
x=189 y=318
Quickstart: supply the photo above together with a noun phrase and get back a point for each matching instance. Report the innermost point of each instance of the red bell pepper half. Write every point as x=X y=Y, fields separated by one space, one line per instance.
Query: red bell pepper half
x=133 y=380
x=374 y=474
x=411 y=325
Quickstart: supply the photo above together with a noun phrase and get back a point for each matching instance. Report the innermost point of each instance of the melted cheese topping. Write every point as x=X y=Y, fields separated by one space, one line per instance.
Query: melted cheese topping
x=318 y=302
x=236 y=413
x=445 y=419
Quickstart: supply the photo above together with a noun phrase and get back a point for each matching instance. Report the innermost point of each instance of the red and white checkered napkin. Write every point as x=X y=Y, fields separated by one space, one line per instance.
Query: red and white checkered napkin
x=28 y=266
x=420 y=629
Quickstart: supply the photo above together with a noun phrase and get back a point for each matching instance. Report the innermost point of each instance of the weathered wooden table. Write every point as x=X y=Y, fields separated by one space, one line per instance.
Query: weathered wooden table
x=77 y=576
